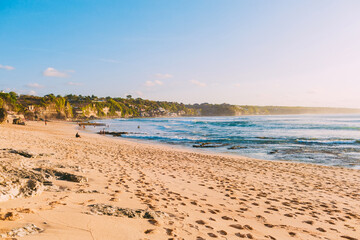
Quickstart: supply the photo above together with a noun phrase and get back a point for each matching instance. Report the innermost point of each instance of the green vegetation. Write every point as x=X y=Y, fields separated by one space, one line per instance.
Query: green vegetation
x=3 y=115
x=78 y=106
x=9 y=101
x=126 y=107
x=85 y=107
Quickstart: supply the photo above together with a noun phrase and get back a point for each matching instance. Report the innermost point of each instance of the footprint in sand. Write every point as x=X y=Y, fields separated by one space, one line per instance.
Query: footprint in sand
x=149 y=231
x=212 y=235
x=201 y=222
x=226 y=218
x=237 y=226
x=222 y=232
x=154 y=222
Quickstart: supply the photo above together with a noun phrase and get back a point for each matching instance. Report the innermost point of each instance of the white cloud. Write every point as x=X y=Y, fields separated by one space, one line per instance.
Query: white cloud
x=139 y=93
x=197 y=83
x=9 y=68
x=34 y=85
x=149 y=83
x=74 y=84
x=158 y=82
x=31 y=92
x=153 y=83
x=163 y=75
x=238 y=85
x=52 y=72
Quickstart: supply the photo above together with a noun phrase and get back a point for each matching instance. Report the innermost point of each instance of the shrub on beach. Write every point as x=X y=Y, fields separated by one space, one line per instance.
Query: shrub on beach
x=3 y=115
x=29 y=116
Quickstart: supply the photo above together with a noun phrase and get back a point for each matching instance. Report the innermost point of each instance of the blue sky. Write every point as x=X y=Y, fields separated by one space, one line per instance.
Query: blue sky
x=298 y=53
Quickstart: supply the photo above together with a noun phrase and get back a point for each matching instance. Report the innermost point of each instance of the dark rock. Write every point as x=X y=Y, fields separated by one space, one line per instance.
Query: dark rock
x=31 y=188
x=273 y=151
x=22 y=153
x=21 y=231
x=18 y=121
x=236 y=147
x=209 y=145
x=103 y=209
x=115 y=134
x=59 y=175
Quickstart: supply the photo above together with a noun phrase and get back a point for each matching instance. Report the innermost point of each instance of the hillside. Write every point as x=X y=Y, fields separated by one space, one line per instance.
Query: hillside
x=77 y=107
x=206 y=109
x=88 y=107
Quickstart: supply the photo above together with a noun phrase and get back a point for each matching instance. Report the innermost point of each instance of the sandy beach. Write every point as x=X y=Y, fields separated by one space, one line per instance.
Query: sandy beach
x=97 y=187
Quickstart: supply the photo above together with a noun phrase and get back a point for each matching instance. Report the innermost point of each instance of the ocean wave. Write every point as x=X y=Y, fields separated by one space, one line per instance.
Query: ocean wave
x=328 y=141
x=316 y=139
x=225 y=123
x=165 y=138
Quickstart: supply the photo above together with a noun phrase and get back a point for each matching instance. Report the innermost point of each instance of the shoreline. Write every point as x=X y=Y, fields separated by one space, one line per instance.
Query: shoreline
x=223 y=150
x=193 y=116
x=190 y=194
x=183 y=148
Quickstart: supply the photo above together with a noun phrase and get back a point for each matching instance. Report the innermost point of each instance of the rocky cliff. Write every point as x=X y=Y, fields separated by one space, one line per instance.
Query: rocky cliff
x=73 y=107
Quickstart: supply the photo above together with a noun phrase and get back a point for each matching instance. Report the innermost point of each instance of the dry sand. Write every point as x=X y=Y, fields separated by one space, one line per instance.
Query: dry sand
x=190 y=195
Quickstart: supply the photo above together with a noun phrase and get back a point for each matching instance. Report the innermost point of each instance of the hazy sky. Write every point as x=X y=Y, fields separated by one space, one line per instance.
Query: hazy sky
x=241 y=52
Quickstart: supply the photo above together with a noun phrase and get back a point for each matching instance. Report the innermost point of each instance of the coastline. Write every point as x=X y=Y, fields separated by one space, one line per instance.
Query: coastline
x=195 y=195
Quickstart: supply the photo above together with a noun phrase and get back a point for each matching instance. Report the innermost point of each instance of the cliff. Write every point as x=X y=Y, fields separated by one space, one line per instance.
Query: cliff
x=73 y=107
x=206 y=109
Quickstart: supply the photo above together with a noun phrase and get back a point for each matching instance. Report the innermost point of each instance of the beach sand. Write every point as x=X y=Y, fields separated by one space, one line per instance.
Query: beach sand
x=141 y=191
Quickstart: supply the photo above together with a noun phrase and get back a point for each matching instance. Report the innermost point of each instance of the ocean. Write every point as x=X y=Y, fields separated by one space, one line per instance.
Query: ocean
x=332 y=140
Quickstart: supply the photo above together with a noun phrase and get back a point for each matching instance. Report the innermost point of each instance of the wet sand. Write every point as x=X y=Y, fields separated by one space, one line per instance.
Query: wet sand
x=142 y=191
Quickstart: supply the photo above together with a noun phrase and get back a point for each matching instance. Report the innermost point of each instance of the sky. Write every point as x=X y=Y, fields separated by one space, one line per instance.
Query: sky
x=254 y=52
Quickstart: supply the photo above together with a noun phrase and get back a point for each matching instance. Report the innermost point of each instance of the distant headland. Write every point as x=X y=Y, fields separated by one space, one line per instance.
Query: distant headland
x=78 y=107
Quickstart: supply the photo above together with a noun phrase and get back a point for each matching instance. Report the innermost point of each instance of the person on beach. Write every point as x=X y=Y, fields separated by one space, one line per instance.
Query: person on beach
x=45 y=122
x=77 y=135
